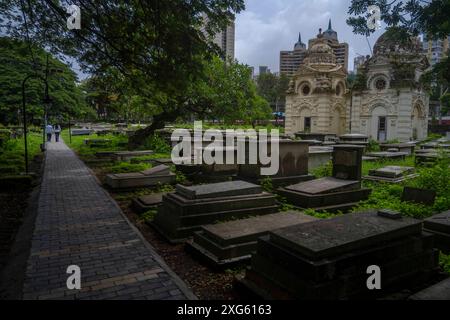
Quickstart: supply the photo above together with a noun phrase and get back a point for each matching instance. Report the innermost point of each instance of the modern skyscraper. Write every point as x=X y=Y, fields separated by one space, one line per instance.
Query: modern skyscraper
x=224 y=39
x=264 y=69
x=291 y=60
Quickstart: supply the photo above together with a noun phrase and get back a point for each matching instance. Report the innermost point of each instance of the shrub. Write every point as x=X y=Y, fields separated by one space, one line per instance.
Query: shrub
x=444 y=262
x=325 y=170
x=373 y=146
x=157 y=144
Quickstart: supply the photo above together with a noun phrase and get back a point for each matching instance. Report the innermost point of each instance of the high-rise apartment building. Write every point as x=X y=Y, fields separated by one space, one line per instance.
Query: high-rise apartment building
x=225 y=38
x=435 y=49
x=291 y=60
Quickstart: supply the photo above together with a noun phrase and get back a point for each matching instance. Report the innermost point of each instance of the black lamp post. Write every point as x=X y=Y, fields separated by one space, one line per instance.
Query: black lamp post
x=46 y=99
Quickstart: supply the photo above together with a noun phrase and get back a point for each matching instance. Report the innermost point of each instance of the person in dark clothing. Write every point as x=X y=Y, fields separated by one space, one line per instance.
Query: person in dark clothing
x=57 y=131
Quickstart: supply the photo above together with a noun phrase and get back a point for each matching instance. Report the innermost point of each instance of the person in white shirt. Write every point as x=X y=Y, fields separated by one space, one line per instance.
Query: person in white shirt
x=49 y=132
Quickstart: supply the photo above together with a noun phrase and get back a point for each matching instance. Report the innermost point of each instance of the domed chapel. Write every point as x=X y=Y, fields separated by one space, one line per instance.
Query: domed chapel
x=387 y=101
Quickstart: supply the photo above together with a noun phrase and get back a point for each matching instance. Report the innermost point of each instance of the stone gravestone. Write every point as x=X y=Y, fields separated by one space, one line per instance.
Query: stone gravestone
x=232 y=242
x=328 y=259
x=439 y=225
x=417 y=195
x=340 y=192
x=347 y=162
x=293 y=165
x=147 y=202
x=148 y=178
x=392 y=174
x=190 y=207
x=383 y=155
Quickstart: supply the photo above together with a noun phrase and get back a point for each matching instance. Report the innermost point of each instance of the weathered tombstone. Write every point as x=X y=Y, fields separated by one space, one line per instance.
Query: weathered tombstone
x=149 y=178
x=147 y=202
x=438 y=291
x=340 y=192
x=417 y=195
x=293 y=165
x=186 y=210
x=407 y=147
x=383 y=155
x=228 y=243
x=392 y=174
x=354 y=139
x=329 y=259
x=315 y=136
x=81 y=132
x=127 y=155
x=439 y=225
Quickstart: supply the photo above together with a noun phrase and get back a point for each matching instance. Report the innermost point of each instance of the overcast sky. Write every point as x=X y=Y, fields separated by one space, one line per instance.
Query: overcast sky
x=268 y=26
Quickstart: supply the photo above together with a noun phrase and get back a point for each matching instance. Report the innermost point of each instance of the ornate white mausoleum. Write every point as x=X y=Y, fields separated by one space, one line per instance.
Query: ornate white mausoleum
x=387 y=101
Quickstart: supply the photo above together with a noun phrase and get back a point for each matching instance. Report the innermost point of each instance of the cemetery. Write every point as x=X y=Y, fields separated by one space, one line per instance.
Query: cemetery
x=246 y=220
x=145 y=159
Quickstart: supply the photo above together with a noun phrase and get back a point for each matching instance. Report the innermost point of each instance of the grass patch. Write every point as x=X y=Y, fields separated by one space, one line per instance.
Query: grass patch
x=12 y=159
x=118 y=143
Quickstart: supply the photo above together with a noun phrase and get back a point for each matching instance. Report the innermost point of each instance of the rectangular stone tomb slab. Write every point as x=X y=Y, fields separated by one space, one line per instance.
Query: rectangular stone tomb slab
x=126 y=155
x=158 y=170
x=391 y=171
x=230 y=242
x=343 y=234
x=138 y=180
x=439 y=225
x=324 y=185
x=147 y=202
x=392 y=174
x=439 y=291
x=216 y=190
x=387 y=155
x=178 y=217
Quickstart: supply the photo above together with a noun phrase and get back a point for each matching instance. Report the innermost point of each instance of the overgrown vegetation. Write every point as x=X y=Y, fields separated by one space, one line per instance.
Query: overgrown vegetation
x=12 y=151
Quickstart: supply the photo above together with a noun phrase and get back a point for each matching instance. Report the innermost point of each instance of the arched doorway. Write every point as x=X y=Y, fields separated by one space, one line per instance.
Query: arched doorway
x=378 y=124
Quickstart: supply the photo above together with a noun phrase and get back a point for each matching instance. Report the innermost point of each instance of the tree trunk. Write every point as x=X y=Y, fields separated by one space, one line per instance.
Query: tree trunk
x=141 y=135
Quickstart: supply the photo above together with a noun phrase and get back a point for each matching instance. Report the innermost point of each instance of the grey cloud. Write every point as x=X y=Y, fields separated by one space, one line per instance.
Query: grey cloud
x=268 y=26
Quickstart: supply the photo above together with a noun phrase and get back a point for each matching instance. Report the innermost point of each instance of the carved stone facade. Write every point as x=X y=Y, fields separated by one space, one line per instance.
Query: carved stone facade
x=391 y=105
x=388 y=102
x=316 y=99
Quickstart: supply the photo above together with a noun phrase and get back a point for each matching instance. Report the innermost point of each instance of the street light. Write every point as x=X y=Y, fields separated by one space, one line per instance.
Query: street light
x=24 y=111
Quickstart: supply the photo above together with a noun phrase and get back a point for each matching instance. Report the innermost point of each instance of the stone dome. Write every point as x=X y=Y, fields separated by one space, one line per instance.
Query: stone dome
x=389 y=42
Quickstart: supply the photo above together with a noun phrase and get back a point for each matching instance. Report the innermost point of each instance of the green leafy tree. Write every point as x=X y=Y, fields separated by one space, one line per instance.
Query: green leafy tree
x=66 y=96
x=273 y=88
x=228 y=93
x=158 y=46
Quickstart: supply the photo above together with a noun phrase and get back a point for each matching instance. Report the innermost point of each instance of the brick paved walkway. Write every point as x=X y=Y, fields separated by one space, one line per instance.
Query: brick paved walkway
x=78 y=223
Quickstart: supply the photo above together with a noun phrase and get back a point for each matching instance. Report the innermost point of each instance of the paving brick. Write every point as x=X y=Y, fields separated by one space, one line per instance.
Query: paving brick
x=78 y=223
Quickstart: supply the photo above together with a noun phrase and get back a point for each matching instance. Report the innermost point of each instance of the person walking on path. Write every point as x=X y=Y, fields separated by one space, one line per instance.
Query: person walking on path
x=49 y=132
x=57 y=130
